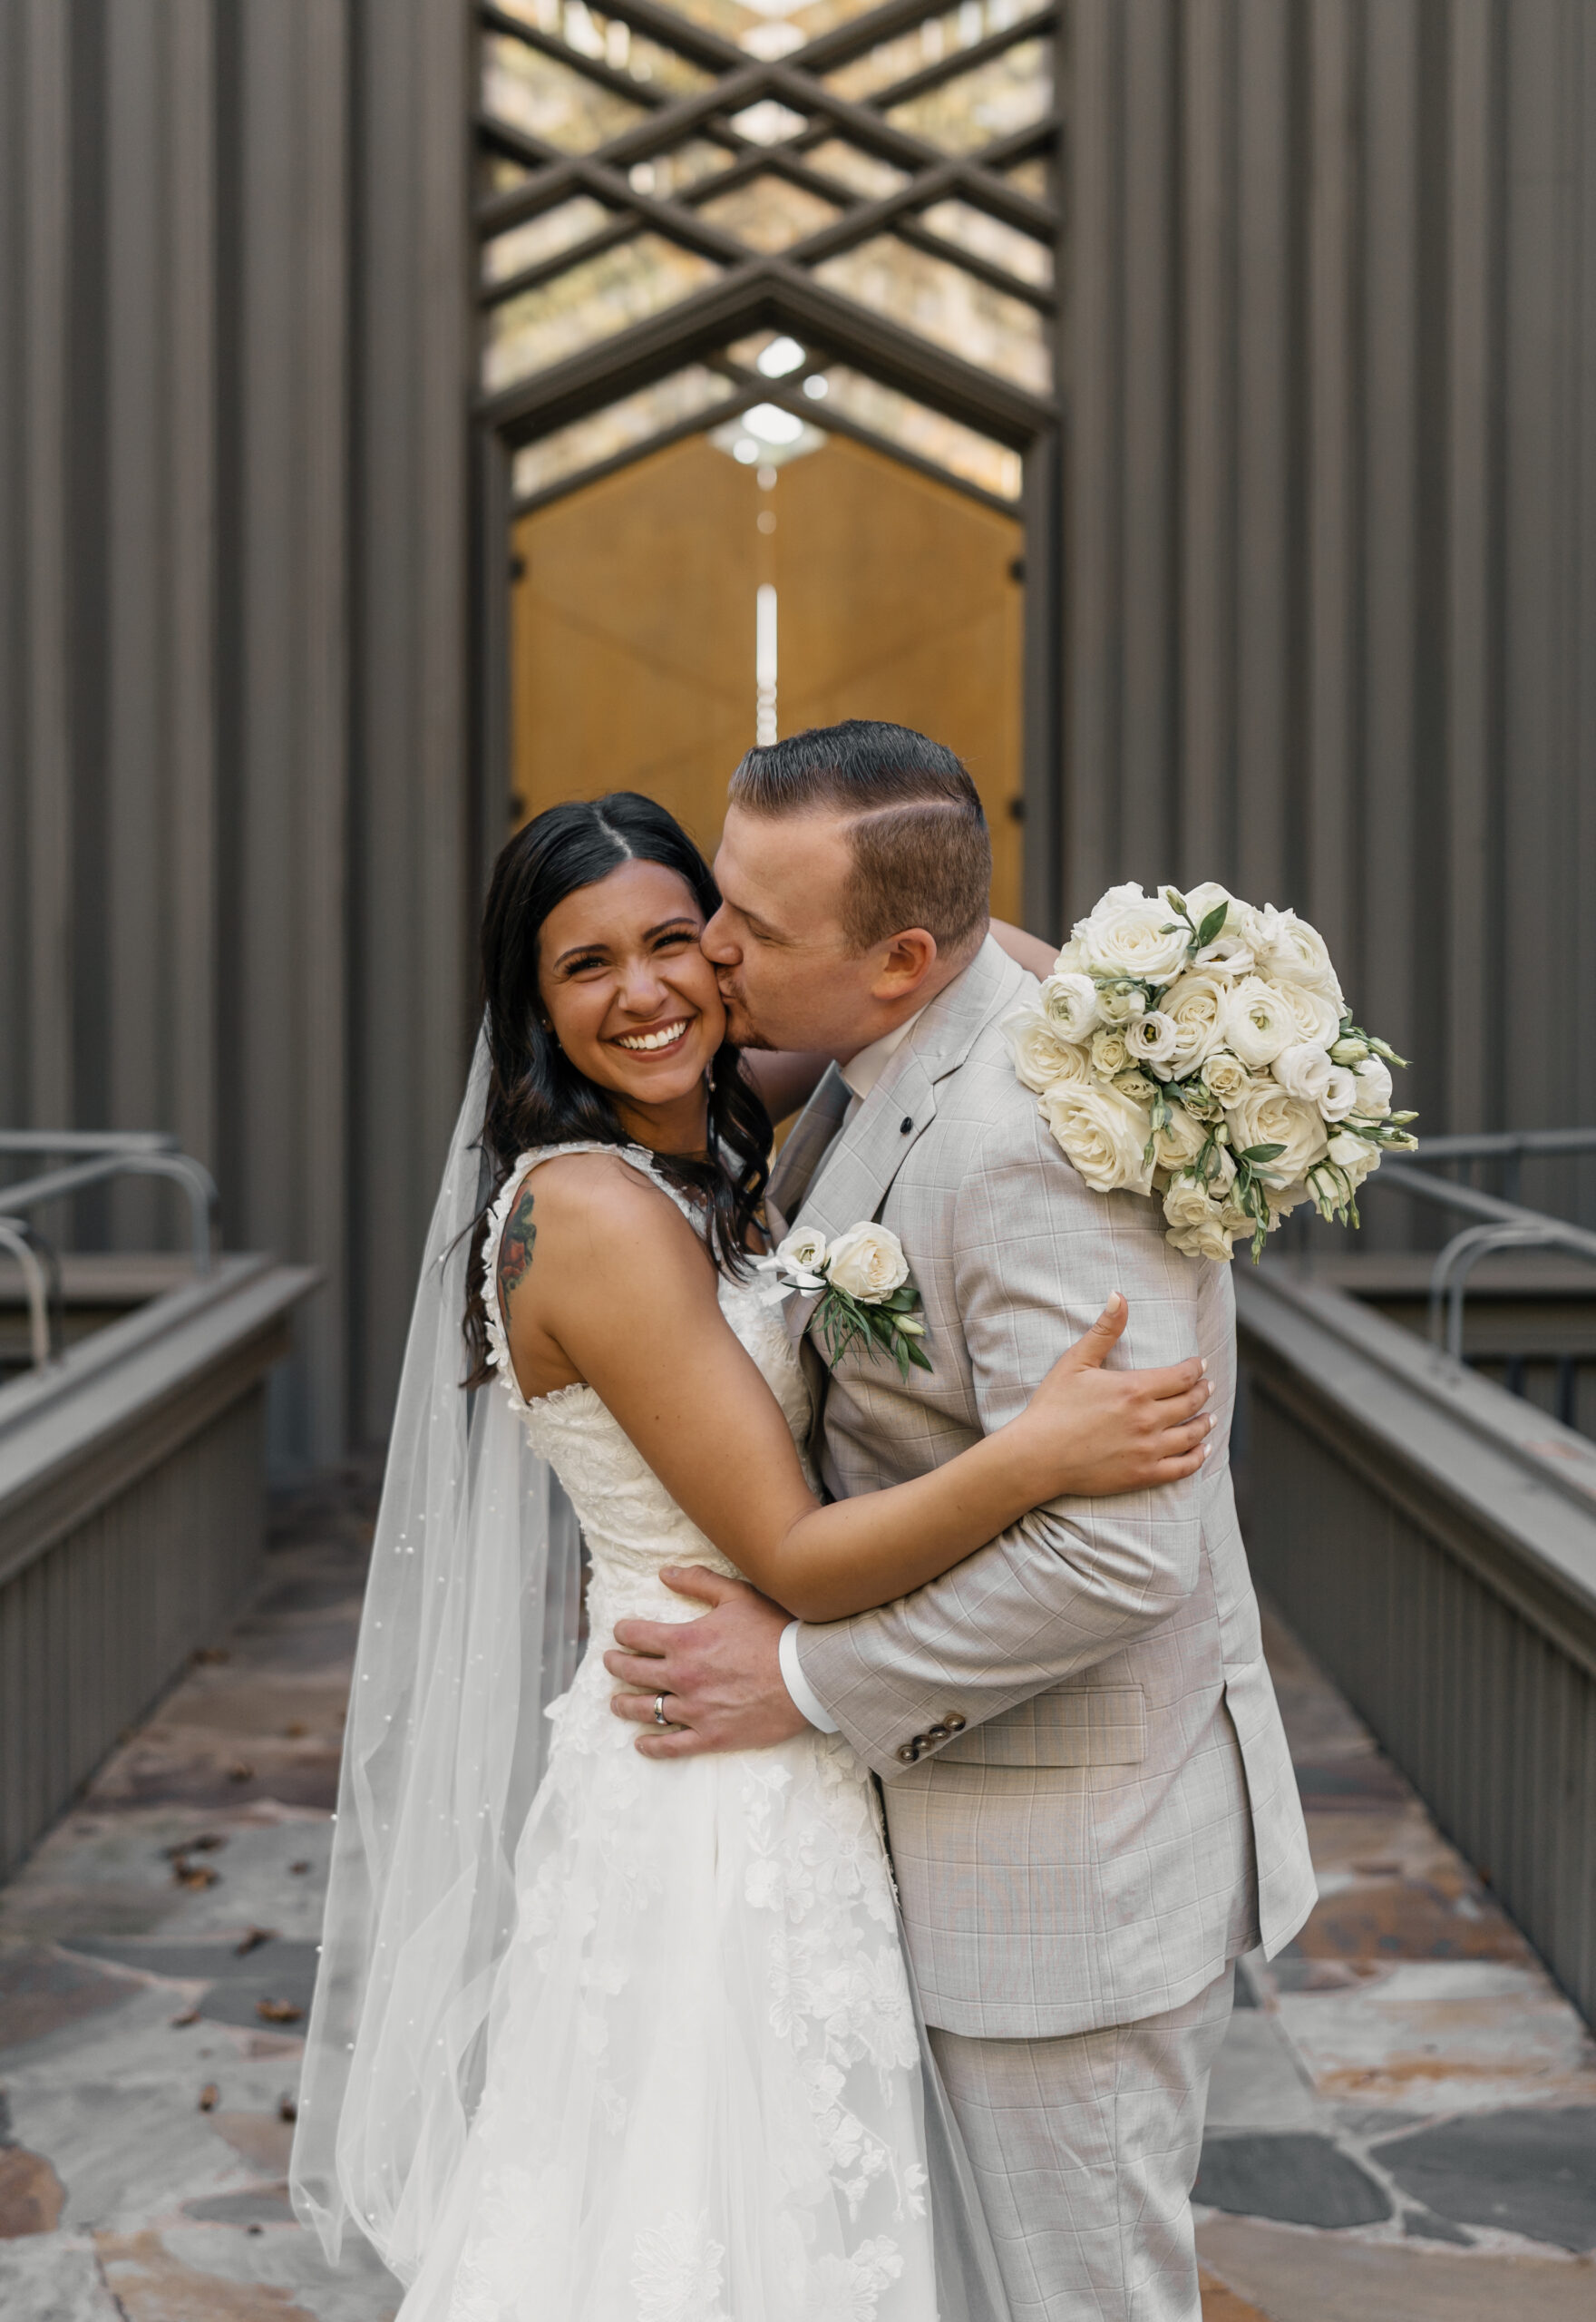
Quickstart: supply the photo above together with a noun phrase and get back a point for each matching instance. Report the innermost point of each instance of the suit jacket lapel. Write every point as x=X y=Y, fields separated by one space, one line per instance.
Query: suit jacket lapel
x=796 y=1162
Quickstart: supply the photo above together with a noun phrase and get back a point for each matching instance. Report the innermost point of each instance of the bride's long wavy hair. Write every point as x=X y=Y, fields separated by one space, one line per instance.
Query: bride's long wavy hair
x=535 y=1095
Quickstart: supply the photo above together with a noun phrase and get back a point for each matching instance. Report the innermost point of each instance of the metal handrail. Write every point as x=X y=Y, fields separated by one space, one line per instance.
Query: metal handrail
x=87 y=1140
x=1450 y=1273
x=204 y=1202
x=25 y=1245
x=1505 y=1225
x=1510 y=1147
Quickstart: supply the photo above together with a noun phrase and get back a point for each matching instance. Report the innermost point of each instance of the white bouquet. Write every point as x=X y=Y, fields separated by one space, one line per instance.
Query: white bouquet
x=1196 y=1047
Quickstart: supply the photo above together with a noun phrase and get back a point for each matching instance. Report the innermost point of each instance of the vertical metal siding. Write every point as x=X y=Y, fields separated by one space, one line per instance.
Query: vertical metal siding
x=92 y=1630
x=1490 y=1720
x=234 y=810
x=1330 y=504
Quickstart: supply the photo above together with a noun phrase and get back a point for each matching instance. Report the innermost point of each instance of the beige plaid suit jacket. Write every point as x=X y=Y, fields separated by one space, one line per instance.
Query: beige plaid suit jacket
x=1089 y=1796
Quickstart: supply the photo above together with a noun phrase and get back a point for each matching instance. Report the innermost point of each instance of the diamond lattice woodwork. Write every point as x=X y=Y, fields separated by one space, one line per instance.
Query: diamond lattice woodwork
x=669 y=192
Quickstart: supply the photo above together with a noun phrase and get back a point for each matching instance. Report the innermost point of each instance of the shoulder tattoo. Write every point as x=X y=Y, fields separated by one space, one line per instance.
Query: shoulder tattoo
x=515 y=1247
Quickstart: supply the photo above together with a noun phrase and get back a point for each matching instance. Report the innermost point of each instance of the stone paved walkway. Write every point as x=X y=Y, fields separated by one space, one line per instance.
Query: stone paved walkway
x=1403 y=2122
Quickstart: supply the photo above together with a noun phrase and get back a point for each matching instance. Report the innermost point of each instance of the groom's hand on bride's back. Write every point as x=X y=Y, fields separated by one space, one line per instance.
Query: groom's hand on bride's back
x=1111 y=1431
x=720 y=1675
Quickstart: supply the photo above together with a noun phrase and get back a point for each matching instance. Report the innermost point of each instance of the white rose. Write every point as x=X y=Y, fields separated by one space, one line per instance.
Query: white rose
x=1288 y=948
x=804 y=1251
x=1153 y=1039
x=1357 y=1155
x=1041 y=1053
x=1072 y=958
x=867 y=1262
x=1340 y=1094
x=1069 y=1002
x=1373 y=1102
x=1303 y=1071
x=1118 y=1003
x=1102 y=1134
x=1194 y=1004
x=1137 y=1085
x=1318 y=1019
x=1257 y=1024
x=1266 y=1115
x=1128 y=934
x=1197 y=1223
x=1109 y=1053
x=1227 y=955
x=1179 y=1140
x=1205 y=897
x=1225 y=1077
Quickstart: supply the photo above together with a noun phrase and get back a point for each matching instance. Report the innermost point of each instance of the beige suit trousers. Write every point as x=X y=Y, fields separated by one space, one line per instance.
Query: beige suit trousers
x=1085 y=2151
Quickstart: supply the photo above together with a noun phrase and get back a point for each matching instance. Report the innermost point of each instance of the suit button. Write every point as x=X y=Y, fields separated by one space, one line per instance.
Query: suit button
x=908 y=1753
x=939 y=1733
x=953 y=1721
x=904 y=1125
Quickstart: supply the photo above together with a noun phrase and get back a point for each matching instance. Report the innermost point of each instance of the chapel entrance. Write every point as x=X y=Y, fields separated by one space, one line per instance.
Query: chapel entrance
x=671 y=613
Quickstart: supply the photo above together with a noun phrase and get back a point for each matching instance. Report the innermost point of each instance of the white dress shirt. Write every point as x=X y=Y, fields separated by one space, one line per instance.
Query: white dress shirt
x=859 y=1075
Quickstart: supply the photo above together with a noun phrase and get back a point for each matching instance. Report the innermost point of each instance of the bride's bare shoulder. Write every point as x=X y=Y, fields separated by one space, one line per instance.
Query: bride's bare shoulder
x=598 y=1206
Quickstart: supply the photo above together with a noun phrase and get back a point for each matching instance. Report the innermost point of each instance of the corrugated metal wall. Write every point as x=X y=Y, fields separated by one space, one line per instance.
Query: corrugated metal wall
x=235 y=814
x=1330 y=520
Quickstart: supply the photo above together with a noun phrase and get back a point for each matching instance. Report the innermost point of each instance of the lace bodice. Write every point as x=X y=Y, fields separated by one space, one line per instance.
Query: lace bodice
x=631 y=1524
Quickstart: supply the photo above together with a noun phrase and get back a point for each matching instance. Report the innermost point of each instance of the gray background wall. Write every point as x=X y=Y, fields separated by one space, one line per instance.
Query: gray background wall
x=233 y=556
x=1329 y=526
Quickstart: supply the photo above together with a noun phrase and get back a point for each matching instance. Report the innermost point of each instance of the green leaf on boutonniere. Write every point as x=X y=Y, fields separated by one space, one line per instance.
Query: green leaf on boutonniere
x=1212 y=925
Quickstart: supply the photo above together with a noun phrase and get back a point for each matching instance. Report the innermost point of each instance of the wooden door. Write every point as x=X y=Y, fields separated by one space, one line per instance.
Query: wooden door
x=634 y=628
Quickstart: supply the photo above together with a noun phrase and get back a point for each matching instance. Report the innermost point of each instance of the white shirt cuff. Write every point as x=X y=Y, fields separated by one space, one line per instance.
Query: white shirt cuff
x=792 y=1677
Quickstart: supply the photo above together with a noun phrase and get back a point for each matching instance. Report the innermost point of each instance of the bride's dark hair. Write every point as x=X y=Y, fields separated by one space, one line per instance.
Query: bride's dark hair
x=535 y=1096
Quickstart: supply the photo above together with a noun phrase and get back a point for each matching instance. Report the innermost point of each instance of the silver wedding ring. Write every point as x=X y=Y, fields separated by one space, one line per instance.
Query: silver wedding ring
x=659 y=1716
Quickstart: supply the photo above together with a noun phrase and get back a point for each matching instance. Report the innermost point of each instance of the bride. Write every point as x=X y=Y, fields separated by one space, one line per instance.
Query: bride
x=596 y=2038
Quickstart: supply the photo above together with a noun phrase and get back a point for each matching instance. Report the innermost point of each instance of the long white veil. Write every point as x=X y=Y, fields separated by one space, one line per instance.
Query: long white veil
x=469 y=1632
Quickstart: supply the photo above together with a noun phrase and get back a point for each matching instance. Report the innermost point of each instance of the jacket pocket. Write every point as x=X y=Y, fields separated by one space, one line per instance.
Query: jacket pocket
x=1097 y=1725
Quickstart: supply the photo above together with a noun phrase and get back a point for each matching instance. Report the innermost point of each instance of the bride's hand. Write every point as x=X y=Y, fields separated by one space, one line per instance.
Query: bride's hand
x=1094 y=1432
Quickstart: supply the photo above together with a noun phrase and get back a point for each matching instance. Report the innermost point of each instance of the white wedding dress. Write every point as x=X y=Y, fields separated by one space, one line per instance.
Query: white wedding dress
x=702 y=2098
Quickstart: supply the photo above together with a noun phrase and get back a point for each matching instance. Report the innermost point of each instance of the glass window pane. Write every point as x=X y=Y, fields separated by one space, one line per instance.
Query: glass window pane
x=938 y=299
x=995 y=100
x=601 y=296
x=989 y=238
x=590 y=33
x=862 y=173
x=929 y=43
x=769 y=214
x=667 y=174
x=550 y=100
x=541 y=237
x=1035 y=178
x=637 y=419
x=960 y=450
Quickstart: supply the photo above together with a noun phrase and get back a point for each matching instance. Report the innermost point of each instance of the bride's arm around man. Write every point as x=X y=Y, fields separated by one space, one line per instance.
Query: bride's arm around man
x=1089 y=1797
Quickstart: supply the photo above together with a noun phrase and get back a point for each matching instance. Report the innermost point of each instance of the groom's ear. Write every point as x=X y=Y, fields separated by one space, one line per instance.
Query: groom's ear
x=904 y=961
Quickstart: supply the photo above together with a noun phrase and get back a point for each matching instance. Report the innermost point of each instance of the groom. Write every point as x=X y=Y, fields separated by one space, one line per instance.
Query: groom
x=1088 y=1794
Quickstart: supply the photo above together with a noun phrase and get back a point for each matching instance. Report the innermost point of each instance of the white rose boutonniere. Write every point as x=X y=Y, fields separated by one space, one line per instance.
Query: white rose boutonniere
x=865 y=1293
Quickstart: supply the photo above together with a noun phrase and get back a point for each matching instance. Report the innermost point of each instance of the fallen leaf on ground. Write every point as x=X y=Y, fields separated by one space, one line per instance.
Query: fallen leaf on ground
x=253 y=1941
x=190 y=2016
x=208 y=2096
x=242 y=1771
x=277 y=2011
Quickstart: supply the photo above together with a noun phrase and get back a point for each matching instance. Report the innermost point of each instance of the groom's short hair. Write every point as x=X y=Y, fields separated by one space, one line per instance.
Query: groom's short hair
x=922 y=856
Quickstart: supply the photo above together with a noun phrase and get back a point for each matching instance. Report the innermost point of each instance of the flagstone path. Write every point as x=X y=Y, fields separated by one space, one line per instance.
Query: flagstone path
x=1402 y=2125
